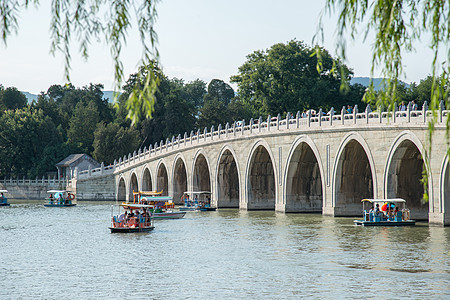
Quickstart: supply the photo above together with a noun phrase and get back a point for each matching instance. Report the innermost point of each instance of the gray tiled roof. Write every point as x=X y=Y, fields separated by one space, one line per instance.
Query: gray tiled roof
x=72 y=158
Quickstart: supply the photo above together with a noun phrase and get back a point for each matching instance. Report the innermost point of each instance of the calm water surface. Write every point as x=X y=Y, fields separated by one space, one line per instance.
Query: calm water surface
x=69 y=253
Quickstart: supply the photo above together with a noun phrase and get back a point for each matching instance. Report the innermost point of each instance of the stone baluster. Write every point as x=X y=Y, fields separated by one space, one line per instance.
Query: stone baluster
x=424 y=111
x=343 y=115
x=234 y=128
x=198 y=135
x=251 y=125
x=331 y=116
x=150 y=149
x=185 y=138
x=102 y=166
x=288 y=117
x=227 y=126
x=408 y=112
x=242 y=127
x=441 y=108
x=309 y=117
x=260 y=123
x=192 y=135
x=179 y=140
x=367 y=111
x=278 y=121
x=268 y=123
x=395 y=112
x=297 y=118
x=212 y=132
x=320 y=117
x=355 y=112
x=219 y=129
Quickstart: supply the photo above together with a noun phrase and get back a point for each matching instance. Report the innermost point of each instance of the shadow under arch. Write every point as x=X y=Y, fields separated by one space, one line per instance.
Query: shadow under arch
x=444 y=201
x=353 y=177
x=162 y=179
x=304 y=185
x=260 y=179
x=134 y=187
x=147 y=180
x=228 y=186
x=404 y=173
x=121 y=190
x=179 y=180
x=201 y=179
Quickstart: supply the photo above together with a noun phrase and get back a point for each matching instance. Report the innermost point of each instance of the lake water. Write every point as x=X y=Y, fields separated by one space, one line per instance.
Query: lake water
x=69 y=253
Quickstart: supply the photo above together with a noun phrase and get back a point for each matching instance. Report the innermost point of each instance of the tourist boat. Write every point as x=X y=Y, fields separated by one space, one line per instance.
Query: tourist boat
x=197 y=201
x=3 y=199
x=60 y=198
x=386 y=212
x=162 y=206
x=132 y=217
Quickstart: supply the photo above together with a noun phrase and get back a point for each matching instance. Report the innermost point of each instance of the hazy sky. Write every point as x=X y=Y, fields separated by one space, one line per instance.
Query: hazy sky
x=203 y=39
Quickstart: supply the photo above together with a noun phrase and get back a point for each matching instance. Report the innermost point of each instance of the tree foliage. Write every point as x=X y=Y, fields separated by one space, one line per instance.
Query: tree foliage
x=285 y=78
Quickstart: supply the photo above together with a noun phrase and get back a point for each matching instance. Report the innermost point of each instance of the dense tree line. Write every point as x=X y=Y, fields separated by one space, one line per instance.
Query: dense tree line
x=66 y=119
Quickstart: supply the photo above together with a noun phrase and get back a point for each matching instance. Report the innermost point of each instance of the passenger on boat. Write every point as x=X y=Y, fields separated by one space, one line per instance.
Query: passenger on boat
x=2 y=198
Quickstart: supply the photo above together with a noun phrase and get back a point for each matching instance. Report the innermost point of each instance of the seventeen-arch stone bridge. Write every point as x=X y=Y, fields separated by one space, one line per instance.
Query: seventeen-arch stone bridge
x=295 y=164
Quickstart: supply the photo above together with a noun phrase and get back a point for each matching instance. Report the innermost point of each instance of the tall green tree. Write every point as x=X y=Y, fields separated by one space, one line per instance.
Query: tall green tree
x=111 y=141
x=11 y=98
x=285 y=78
x=25 y=137
x=82 y=126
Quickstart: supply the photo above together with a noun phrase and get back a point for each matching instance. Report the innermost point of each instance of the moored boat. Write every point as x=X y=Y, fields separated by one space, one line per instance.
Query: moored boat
x=133 y=218
x=162 y=206
x=60 y=198
x=197 y=201
x=386 y=212
x=3 y=199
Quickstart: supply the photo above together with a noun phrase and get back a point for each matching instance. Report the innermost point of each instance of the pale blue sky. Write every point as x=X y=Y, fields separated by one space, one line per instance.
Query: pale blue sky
x=203 y=39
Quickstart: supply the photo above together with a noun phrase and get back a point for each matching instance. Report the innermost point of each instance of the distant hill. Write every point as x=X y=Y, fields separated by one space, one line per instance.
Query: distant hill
x=377 y=82
x=30 y=97
x=106 y=94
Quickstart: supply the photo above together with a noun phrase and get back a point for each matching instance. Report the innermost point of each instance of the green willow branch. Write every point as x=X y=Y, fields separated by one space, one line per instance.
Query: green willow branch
x=397 y=25
x=106 y=21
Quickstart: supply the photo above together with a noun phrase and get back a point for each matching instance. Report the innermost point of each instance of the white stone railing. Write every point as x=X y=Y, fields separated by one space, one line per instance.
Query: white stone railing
x=273 y=124
x=44 y=181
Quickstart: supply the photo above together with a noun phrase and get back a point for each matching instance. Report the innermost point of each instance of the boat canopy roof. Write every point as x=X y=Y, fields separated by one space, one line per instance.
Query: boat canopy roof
x=198 y=193
x=135 y=205
x=56 y=191
x=158 y=198
x=393 y=200
x=148 y=193
x=3 y=191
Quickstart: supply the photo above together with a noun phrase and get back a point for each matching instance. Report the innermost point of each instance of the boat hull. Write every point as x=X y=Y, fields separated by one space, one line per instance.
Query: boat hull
x=189 y=209
x=130 y=229
x=4 y=204
x=385 y=223
x=169 y=215
x=207 y=209
x=59 y=205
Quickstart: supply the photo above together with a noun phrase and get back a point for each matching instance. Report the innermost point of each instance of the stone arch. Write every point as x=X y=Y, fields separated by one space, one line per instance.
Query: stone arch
x=261 y=180
x=404 y=173
x=121 y=190
x=162 y=179
x=354 y=176
x=444 y=201
x=179 y=179
x=304 y=182
x=201 y=179
x=147 y=180
x=228 y=186
x=134 y=187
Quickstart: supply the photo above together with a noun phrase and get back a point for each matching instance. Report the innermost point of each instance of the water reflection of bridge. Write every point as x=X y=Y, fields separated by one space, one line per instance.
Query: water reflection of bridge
x=312 y=164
